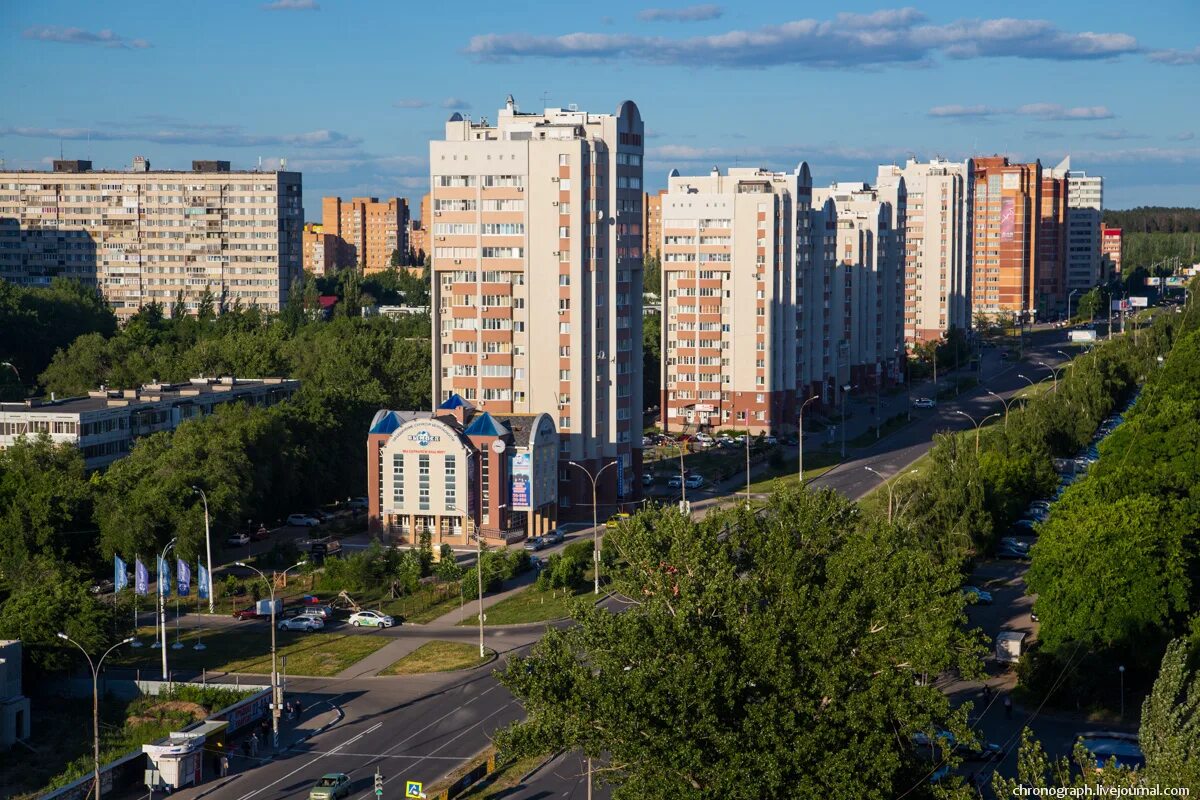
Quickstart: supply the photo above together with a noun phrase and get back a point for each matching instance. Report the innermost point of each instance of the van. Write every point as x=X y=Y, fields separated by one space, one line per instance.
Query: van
x=1009 y=646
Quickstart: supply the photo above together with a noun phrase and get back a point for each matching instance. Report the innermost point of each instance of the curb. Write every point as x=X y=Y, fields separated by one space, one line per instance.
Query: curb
x=541 y=766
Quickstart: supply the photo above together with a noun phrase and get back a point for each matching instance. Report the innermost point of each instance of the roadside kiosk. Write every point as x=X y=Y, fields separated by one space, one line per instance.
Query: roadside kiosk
x=179 y=759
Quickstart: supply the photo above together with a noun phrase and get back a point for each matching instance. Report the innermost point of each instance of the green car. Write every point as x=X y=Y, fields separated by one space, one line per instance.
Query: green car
x=330 y=787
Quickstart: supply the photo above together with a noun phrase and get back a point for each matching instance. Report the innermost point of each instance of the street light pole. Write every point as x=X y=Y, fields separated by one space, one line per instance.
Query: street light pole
x=1006 y=403
x=977 y=425
x=478 y=572
x=800 y=436
x=845 y=390
x=1072 y=294
x=162 y=606
x=1121 y=669
x=595 y=523
x=95 y=666
x=886 y=483
x=275 y=699
x=207 y=549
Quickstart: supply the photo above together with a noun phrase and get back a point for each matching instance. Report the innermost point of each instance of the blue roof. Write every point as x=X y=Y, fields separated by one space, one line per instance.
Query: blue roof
x=485 y=425
x=454 y=401
x=384 y=422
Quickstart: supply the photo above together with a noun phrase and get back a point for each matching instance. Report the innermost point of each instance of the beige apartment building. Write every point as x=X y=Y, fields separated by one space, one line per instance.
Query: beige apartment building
x=369 y=230
x=320 y=250
x=865 y=291
x=937 y=244
x=1085 y=206
x=652 y=222
x=729 y=261
x=144 y=236
x=536 y=240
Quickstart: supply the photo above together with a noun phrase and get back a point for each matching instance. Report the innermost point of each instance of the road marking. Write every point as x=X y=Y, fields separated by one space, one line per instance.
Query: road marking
x=307 y=764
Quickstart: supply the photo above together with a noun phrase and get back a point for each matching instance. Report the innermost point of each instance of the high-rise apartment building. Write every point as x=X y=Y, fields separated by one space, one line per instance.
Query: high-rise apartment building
x=1085 y=202
x=652 y=223
x=1110 y=252
x=418 y=233
x=370 y=230
x=729 y=260
x=866 y=287
x=320 y=249
x=937 y=257
x=1008 y=209
x=144 y=236
x=1050 y=267
x=536 y=238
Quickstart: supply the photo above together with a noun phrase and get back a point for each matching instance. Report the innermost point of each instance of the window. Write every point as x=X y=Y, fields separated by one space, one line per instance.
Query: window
x=503 y=205
x=423 y=482
x=504 y=229
x=398 y=479
x=456 y=181
x=564 y=184
x=564 y=423
x=451 y=482
x=564 y=160
x=503 y=252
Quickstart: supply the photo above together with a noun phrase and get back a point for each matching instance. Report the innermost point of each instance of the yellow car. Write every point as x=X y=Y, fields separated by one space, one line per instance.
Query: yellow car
x=616 y=519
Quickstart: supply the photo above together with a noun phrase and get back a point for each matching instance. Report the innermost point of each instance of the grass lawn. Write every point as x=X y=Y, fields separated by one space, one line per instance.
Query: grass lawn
x=531 y=605
x=506 y=777
x=817 y=461
x=429 y=603
x=438 y=657
x=247 y=648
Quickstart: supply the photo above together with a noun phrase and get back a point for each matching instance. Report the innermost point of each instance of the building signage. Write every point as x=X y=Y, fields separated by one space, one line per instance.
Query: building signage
x=1121 y=305
x=424 y=437
x=620 y=476
x=522 y=480
x=1008 y=218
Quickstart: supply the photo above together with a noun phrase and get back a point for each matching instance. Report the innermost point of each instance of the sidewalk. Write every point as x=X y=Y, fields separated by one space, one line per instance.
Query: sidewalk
x=471 y=608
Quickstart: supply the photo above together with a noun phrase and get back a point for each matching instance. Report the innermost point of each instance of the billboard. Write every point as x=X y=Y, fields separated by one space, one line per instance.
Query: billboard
x=1154 y=281
x=1139 y=302
x=1083 y=336
x=522 y=481
x=1177 y=281
x=1008 y=218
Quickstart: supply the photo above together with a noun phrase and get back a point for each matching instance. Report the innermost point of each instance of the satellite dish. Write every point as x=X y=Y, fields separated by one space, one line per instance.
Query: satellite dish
x=498 y=446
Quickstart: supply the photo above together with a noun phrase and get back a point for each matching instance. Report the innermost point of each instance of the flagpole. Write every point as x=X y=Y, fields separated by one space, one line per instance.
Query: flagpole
x=178 y=644
x=136 y=642
x=199 y=645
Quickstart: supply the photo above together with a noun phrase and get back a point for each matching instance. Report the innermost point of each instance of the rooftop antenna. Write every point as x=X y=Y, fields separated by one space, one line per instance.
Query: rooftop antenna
x=60 y=150
x=545 y=98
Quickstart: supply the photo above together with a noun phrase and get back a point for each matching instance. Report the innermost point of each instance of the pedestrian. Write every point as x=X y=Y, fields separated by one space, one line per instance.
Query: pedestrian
x=253 y=745
x=224 y=765
x=299 y=708
x=1007 y=706
x=987 y=692
x=291 y=710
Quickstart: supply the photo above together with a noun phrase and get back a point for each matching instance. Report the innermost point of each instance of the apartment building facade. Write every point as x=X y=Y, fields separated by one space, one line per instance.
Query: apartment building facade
x=456 y=471
x=1008 y=209
x=1110 y=252
x=320 y=249
x=536 y=240
x=369 y=230
x=652 y=223
x=866 y=286
x=105 y=423
x=1085 y=204
x=729 y=266
x=143 y=236
x=938 y=244
x=1050 y=267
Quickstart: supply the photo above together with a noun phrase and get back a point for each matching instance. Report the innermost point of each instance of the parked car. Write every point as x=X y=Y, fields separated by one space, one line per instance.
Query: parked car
x=246 y=613
x=770 y=440
x=704 y=439
x=675 y=482
x=371 y=619
x=300 y=623
x=357 y=503
x=1012 y=541
x=1105 y=746
x=983 y=751
x=924 y=402
x=302 y=521
x=260 y=534
x=647 y=479
x=333 y=786
x=980 y=596
x=694 y=481
x=1042 y=504
x=238 y=540
x=535 y=544
x=616 y=519
x=1024 y=526
x=102 y=587
x=321 y=612
x=1012 y=553
x=553 y=537
x=322 y=515
x=647 y=441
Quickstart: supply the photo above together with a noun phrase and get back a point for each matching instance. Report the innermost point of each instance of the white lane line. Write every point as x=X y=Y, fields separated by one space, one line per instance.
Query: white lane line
x=446 y=744
x=307 y=764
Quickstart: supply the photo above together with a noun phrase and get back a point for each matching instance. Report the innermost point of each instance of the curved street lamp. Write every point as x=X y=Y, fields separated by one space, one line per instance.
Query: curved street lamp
x=595 y=522
x=800 y=436
x=977 y=425
x=888 y=484
x=95 y=666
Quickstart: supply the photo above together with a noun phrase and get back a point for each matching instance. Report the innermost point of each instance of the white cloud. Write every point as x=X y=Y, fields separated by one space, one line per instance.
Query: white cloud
x=410 y=102
x=698 y=13
x=455 y=103
x=1176 y=58
x=1044 y=111
x=887 y=37
x=104 y=38
x=962 y=111
x=216 y=135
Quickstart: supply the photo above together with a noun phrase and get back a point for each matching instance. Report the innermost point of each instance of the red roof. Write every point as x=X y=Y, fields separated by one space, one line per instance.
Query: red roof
x=327 y=300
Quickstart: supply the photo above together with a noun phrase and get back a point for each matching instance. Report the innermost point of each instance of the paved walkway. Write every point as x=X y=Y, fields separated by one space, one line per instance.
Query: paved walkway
x=471 y=608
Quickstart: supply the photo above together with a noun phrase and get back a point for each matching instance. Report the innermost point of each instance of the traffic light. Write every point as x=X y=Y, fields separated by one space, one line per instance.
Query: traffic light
x=378 y=783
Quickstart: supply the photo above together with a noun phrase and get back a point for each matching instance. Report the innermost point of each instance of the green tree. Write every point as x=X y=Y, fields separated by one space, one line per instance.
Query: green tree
x=1035 y=769
x=651 y=359
x=1170 y=729
x=758 y=655
x=49 y=597
x=45 y=504
x=651 y=274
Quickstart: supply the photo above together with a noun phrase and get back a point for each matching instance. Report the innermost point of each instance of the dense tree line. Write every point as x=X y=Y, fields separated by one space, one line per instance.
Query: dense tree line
x=1144 y=250
x=1154 y=219
x=770 y=654
x=35 y=322
x=1116 y=566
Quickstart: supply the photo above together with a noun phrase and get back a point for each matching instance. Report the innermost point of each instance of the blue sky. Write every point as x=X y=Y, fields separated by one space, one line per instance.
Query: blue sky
x=350 y=91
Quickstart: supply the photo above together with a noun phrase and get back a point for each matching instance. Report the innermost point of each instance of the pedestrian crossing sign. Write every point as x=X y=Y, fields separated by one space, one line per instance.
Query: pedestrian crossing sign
x=413 y=789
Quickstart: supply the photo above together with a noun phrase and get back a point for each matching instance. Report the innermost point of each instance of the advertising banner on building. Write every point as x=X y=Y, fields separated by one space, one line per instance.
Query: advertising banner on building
x=1008 y=218
x=1121 y=305
x=1139 y=302
x=1154 y=281
x=620 y=477
x=522 y=481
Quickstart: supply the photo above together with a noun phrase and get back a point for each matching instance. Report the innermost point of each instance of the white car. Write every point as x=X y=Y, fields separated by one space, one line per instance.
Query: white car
x=302 y=521
x=300 y=623
x=695 y=481
x=371 y=619
x=238 y=540
x=923 y=402
x=675 y=482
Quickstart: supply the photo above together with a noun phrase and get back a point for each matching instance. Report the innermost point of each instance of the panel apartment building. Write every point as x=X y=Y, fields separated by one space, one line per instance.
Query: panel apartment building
x=369 y=230
x=1008 y=202
x=142 y=236
x=536 y=240
x=865 y=289
x=729 y=261
x=938 y=255
x=1085 y=203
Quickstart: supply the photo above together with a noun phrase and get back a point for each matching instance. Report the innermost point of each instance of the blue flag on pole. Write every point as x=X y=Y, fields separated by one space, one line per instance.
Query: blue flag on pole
x=183 y=576
x=141 y=577
x=164 y=577
x=202 y=586
x=120 y=578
